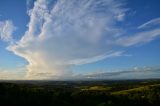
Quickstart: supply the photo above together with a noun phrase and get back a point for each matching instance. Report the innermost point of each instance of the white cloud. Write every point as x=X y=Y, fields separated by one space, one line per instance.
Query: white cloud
x=6 y=30
x=120 y=17
x=150 y=23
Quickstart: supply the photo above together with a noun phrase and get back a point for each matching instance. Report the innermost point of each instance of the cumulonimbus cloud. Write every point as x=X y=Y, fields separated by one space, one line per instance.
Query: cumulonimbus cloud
x=65 y=33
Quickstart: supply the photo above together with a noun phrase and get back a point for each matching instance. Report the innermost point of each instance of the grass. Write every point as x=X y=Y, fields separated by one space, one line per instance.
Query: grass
x=96 y=88
x=138 y=89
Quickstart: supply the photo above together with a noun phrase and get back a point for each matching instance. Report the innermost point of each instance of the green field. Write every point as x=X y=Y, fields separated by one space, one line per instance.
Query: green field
x=85 y=93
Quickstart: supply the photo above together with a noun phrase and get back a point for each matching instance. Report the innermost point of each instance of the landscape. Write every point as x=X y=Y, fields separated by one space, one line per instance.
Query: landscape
x=79 y=52
x=81 y=93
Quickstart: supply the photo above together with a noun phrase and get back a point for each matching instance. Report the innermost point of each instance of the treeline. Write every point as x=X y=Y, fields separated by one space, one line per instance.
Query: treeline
x=43 y=95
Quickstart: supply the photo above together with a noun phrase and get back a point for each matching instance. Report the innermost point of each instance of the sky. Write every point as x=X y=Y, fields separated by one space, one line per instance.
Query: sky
x=79 y=39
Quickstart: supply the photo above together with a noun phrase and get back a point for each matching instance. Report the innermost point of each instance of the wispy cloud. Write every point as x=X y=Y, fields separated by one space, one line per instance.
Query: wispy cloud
x=97 y=58
x=6 y=30
x=138 y=38
x=150 y=23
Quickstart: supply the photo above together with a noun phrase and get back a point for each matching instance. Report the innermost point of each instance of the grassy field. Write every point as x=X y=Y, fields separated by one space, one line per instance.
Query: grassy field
x=80 y=93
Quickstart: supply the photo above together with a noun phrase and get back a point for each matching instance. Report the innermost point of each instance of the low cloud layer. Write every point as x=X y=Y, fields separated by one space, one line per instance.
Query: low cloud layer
x=17 y=74
x=133 y=73
x=67 y=33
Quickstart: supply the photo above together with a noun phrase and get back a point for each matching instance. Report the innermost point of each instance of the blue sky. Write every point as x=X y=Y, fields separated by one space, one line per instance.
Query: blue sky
x=119 y=36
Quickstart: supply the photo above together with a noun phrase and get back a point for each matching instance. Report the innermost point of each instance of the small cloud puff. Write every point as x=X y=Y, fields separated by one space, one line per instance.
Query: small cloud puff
x=6 y=30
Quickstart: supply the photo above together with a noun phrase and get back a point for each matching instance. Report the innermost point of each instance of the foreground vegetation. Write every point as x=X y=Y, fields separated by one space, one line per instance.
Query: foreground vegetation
x=99 y=93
